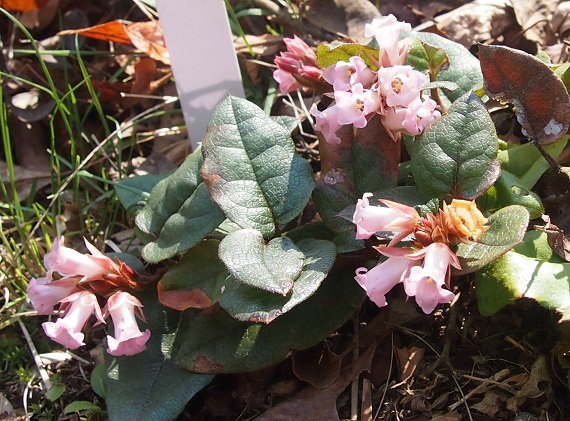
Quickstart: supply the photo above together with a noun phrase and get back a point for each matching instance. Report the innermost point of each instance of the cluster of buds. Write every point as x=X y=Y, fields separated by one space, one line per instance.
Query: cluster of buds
x=82 y=281
x=297 y=67
x=393 y=90
x=431 y=238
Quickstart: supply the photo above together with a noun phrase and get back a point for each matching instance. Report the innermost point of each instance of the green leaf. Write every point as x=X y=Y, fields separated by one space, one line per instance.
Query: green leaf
x=179 y=213
x=463 y=69
x=515 y=276
x=527 y=163
x=196 y=281
x=79 y=406
x=507 y=229
x=535 y=245
x=423 y=56
x=55 y=392
x=247 y=303
x=98 y=380
x=218 y=343
x=456 y=155
x=327 y=57
x=271 y=267
x=507 y=191
x=133 y=192
x=251 y=167
x=287 y=122
x=148 y=386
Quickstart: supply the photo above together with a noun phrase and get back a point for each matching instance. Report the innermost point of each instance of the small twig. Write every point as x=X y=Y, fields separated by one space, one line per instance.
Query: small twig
x=449 y=335
x=37 y=359
x=387 y=379
x=354 y=385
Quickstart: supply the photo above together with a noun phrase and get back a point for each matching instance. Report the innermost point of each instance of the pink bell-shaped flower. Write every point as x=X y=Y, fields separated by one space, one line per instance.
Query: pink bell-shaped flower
x=426 y=282
x=128 y=339
x=45 y=295
x=67 y=330
x=372 y=219
x=343 y=74
x=354 y=106
x=378 y=281
x=326 y=123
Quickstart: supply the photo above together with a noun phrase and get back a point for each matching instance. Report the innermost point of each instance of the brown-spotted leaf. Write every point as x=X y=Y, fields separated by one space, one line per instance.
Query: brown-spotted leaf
x=541 y=101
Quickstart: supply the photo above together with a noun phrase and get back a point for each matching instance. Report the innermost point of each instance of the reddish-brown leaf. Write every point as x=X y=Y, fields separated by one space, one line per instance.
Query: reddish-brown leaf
x=22 y=5
x=111 y=31
x=542 y=104
x=148 y=37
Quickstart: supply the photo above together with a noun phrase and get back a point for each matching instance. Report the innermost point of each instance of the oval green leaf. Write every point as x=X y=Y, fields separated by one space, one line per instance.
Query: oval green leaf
x=247 y=303
x=179 y=212
x=218 y=343
x=251 y=167
x=507 y=229
x=457 y=155
x=271 y=267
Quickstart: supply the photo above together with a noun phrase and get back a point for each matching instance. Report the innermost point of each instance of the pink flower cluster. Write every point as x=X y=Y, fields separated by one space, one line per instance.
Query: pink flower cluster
x=82 y=279
x=393 y=91
x=426 y=281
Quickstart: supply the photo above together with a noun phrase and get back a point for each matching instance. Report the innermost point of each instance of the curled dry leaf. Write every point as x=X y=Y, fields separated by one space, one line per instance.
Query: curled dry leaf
x=146 y=36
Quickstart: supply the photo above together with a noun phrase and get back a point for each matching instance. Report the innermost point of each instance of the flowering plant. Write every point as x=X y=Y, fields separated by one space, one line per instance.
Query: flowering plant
x=263 y=257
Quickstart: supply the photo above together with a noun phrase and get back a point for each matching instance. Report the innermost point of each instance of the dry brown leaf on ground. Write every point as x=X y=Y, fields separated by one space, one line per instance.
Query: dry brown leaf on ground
x=477 y=21
x=318 y=366
x=538 y=384
x=343 y=16
x=25 y=180
x=534 y=16
x=319 y=404
x=408 y=359
x=146 y=36
x=22 y=5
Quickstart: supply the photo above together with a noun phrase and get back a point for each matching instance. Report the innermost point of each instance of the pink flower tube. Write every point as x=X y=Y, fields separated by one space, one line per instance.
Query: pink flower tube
x=128 y=339
x=372 y=219
x=426 y=282
x=67 y=330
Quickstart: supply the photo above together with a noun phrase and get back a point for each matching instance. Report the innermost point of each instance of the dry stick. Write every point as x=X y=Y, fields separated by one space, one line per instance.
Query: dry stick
x=37 y=359
x=283 y=17
x=387 y=379
x=83 y=163
x=449 y=333
x=354 y=385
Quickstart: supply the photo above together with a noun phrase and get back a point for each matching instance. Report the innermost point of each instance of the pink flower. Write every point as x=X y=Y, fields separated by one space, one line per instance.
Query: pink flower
x=128 y=340
x=400 y=85
x=353 y=107
x=326 y=123
x=393 y=121
x=372 y=219
x=45 y=295
x=426 y=282
x=386 y=30
x=385 y=276
x=419 y=115
x=287 y=83
x=69 y=262
x=67 y=330
x=342 y=75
